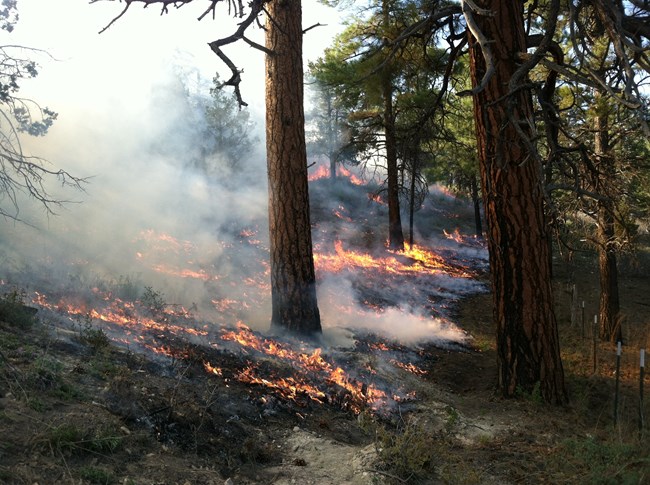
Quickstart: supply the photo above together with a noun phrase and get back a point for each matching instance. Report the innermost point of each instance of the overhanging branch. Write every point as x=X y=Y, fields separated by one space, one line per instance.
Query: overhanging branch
x=236 y=7
x=469 y=8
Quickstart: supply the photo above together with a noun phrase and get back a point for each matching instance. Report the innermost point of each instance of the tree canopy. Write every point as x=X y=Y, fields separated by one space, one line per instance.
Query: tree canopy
x=20 y=172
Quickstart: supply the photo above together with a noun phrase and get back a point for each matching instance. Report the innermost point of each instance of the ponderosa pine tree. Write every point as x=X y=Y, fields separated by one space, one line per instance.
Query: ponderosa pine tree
x=293 y=290
x=293 y=281
x=513 y=195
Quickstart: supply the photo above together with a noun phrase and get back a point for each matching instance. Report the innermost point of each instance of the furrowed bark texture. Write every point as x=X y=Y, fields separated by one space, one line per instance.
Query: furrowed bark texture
x=293 y=288
x=527 y=339
x=395 y=233
x=609 y=305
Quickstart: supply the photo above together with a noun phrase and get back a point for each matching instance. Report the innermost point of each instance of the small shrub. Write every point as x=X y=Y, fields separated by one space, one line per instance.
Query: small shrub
x=14 y=311
x=105 y=440
x=127 y=289
x=36 y=404
x=154 y=302
x=67 y=392
x=406 y=452
x=65 y=437
x=70 y=437
x=44 y=374
x=534 y=396
x=7 y=477
x=96 y=475
x=96 y=338
x=453 y=418
x=605 y=461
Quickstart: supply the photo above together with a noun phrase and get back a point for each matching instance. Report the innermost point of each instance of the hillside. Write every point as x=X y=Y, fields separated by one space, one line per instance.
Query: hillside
x=161 y=396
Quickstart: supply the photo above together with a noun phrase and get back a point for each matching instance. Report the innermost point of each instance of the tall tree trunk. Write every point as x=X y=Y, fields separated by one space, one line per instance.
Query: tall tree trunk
x=293 y=288
x=331 y=149
x=609 y=306
x=527 y=338
x=414 y=171
x=395 y=234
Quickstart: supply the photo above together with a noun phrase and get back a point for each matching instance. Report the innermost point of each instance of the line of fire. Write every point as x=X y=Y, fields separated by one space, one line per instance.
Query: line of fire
x=382 y=310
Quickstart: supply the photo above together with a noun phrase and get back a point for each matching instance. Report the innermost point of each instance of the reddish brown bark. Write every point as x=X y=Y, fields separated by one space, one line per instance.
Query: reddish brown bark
x=395 y=233
x=293 y=287
x=527 y=339
x=609 y=304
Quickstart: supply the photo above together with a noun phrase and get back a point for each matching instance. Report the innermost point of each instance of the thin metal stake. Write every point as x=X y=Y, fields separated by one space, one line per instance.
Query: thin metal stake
x=641 y=379
x=618 y=376
x=594 y=349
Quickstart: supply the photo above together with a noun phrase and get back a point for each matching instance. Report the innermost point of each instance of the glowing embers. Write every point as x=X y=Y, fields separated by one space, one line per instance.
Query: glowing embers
x=128 y=316
x=183 y=272
x=311 y=375
x=288 y=387
x=323 y=171
x=464 y=240
x=413 y=260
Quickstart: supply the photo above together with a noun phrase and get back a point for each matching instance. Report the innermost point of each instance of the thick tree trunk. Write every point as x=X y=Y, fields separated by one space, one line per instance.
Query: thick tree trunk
x=609 y=307
x=527 y=338
x=293 y=288
x=414 y=169
x=395 y=233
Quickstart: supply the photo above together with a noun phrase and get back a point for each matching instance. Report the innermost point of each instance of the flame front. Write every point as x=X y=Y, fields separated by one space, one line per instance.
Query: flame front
x=323 y=171
x=420 y=261
x=360 y=394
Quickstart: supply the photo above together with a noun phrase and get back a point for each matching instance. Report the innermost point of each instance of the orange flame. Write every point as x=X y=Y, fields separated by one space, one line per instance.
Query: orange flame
x=289 y=387
x=212 y=370
x=314 y=362
x=323 y=171
x=421 y=261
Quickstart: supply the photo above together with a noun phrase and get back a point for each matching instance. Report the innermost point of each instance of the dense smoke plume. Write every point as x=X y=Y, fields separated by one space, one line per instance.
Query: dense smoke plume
x=149 y=219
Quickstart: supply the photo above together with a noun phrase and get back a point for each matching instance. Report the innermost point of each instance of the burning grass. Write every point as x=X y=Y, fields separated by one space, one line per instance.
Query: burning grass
x=194 y=399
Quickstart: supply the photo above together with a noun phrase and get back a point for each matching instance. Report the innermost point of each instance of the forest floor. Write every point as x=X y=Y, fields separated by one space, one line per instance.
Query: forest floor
x=76 y=409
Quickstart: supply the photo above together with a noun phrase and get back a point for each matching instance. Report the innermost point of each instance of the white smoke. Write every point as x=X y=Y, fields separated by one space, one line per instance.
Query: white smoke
x=147 y=215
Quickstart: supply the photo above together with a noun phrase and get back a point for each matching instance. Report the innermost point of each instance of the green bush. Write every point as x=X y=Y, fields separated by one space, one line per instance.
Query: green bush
x=406 y=452
x=14 y=311
x=96 y=475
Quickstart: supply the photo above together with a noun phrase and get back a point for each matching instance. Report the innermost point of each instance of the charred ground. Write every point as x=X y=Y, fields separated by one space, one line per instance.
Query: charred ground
x=75 y=407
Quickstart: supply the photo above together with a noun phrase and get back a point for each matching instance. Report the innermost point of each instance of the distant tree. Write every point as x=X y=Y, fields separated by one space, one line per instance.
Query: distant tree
x=21 y=173
x=229 y=129
x=455 y=163
x=326 y=128
x=596 y=187
x=293 y=281
x=386 y=93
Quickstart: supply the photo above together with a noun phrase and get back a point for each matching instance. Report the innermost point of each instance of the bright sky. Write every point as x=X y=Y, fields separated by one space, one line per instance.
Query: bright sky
x=96 y=70
x=118 y=99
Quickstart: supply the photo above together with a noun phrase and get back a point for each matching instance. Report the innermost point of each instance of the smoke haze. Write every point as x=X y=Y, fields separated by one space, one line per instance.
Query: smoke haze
x=149 y=220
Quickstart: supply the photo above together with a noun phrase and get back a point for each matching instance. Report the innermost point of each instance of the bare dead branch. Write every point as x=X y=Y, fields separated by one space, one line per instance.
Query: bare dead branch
x=468 y=8
x=118 y=17
x=236 y=7
x=313 y=27
x=256 y=7
x=257 y=46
